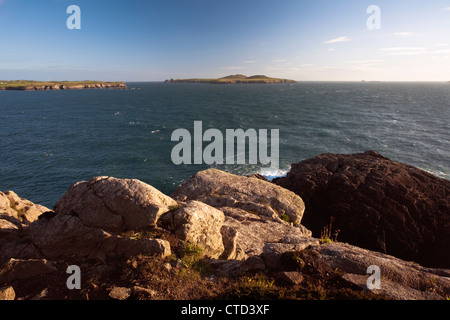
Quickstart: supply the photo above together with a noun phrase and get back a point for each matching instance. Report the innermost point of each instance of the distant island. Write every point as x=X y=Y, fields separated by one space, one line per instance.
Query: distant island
x=27 y=85
x=235 y=79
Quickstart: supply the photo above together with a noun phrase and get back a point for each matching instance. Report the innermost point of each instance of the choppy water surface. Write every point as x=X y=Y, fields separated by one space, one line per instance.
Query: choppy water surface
x=51 y=139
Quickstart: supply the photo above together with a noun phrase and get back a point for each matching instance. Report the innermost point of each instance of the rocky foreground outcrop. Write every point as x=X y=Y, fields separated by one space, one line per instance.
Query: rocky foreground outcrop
x=377 y=204
x=239 y=225
x=221 y=189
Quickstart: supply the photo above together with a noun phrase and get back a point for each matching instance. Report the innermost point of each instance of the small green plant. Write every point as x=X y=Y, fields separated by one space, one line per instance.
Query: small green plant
x=325 y=235
x=286 y=218
x=192 y=249
x=325 y=240
x=190 y=254
x=255 y=287
x=259 y=280
x=137 y=236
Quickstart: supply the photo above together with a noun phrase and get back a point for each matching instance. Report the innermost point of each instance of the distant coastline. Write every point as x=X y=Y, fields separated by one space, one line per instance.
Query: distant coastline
x=26 y=85
x=234 y=79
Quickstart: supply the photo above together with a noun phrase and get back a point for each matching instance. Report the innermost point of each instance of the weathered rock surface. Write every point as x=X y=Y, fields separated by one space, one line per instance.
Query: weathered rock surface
x=377 y=204
x=22 y=269
x=290 y=277
x=253 y=232
x=221 y=189
x=7 y=293
x=88 y=221
x=238 y=267
x=272 y=252
x=66 y=235
x=400 y=280
x=148 y=292
x=18 y=210
x=7 y=231
x=199 y=224
x=229 y=239
x=115 y=204
x=120 y=293
x=19 y=246
x=16 y=214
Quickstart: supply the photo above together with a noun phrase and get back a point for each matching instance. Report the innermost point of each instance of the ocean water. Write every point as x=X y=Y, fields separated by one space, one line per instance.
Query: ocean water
x=52 y=139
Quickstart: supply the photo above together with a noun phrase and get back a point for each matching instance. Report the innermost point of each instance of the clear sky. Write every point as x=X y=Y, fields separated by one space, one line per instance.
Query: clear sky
x=154 y=40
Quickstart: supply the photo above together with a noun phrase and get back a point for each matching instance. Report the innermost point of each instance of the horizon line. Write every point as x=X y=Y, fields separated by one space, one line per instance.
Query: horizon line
x=147 y=81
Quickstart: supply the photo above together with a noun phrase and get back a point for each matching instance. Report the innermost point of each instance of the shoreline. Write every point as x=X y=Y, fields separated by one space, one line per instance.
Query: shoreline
x=22 y=85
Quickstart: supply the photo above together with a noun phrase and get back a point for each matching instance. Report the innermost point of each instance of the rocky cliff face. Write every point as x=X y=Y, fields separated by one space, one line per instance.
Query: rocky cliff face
x=69 y=86
x=119 y=230
x=88 y=86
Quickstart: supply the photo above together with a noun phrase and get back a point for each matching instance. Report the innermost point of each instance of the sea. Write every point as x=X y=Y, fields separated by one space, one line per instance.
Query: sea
x=53 y=139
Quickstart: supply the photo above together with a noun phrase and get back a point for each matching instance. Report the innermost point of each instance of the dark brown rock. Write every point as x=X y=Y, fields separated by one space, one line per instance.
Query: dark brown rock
x=290 y=277
x=16 y=269
x=377 y=204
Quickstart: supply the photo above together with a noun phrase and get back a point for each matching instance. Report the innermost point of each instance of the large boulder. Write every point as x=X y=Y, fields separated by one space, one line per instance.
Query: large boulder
x=220 y=189
x=66 y=235
x=92 y=219
x=199 y=224
x=376 y=204
x=115 y=204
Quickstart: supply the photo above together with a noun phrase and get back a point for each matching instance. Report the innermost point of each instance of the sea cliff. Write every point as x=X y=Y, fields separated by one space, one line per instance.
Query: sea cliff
x=58 y=85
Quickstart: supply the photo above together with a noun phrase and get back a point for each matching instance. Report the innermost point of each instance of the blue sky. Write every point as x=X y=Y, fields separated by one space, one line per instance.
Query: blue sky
x=153 y=40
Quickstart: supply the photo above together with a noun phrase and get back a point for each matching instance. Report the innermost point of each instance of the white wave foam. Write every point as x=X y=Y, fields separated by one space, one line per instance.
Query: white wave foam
x=272 y=174
x=438 y=173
